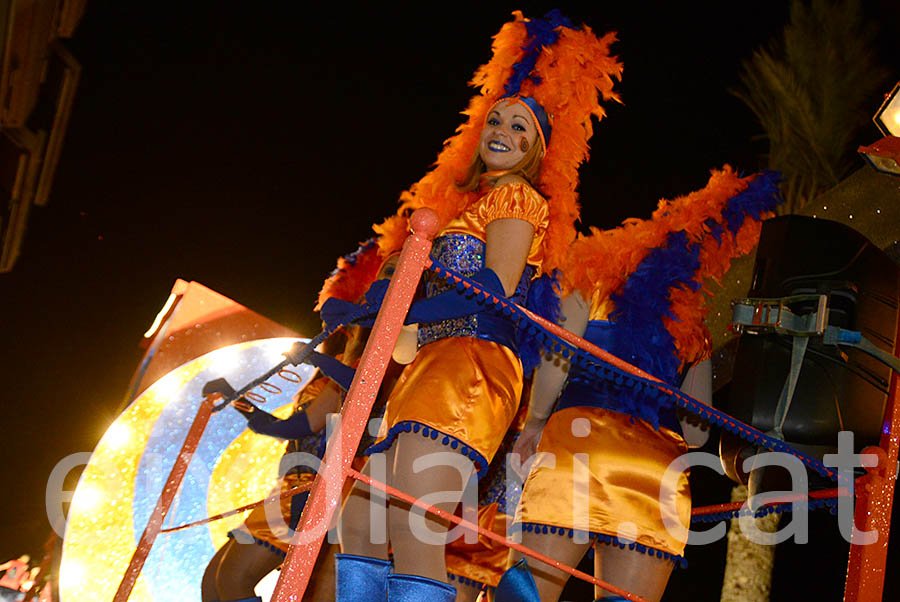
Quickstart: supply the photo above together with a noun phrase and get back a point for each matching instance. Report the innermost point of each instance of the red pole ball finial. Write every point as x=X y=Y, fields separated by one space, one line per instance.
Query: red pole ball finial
x=425 y=222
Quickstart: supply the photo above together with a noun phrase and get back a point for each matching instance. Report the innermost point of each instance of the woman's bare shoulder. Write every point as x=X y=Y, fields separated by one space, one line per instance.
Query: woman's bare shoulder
x=511 y=179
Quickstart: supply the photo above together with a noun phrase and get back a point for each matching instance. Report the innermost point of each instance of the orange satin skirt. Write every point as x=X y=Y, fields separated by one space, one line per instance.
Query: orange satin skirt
x=466 y=389
x=485 y=560
x=608 y=479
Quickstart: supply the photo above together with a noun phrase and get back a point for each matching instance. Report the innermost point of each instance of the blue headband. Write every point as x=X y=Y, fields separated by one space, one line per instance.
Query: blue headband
x=537 y=111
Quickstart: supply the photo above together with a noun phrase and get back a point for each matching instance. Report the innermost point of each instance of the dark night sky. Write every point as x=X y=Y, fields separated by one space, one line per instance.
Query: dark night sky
x=246 y=147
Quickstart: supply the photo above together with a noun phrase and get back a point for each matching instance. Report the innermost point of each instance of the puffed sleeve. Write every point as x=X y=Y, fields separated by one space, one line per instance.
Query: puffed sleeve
x=516 y=200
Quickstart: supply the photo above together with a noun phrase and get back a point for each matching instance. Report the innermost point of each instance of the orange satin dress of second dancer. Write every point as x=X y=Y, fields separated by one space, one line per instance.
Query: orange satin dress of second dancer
x=603 y=472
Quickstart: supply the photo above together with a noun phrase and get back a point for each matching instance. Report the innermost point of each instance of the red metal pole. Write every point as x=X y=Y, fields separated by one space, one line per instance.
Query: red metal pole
x=874 y=500
x=165 y=499
x=326 y=492
x=272 y=498
x=822 y=494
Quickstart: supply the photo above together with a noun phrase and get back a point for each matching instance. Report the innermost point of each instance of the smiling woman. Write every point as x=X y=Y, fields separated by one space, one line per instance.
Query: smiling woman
x=507 y=220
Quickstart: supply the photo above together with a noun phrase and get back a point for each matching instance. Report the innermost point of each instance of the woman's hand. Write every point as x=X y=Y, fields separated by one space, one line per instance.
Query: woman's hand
x=243 y=405
x=526 y=445
x=407 y=344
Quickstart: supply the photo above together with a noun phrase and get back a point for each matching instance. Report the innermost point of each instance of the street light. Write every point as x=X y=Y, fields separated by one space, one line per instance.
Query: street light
x=884 y=155
x=888 y=116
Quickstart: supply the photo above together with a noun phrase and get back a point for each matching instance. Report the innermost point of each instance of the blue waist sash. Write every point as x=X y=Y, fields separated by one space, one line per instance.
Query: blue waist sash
x=464 y=254
x=585 y=390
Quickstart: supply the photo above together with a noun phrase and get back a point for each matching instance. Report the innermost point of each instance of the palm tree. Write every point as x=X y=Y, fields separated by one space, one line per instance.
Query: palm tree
x=811 y=91
x=748 y=565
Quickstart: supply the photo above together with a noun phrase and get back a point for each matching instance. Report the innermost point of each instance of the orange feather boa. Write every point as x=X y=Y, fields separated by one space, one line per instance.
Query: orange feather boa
x=601 y=263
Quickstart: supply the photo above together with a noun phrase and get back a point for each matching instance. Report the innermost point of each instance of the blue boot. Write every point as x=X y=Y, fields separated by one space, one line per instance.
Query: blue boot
x=517 y=585
x=360 y=578
x=413 y=588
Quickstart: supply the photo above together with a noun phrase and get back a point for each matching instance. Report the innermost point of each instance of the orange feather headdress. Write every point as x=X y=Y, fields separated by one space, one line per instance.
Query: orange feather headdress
x=566 y=70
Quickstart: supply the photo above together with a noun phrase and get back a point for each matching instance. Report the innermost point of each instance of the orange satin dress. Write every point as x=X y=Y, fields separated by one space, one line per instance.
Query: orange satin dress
x=602 y=471
x=484 y=562
x=462 y=390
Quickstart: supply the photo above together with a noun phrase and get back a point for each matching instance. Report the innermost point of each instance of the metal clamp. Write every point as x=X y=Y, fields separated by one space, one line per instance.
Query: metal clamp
x=757 y=315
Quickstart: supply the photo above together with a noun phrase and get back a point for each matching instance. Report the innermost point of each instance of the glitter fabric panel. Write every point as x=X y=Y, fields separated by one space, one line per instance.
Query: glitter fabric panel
x=123 y=479
x=464 y=254
x=500 y=485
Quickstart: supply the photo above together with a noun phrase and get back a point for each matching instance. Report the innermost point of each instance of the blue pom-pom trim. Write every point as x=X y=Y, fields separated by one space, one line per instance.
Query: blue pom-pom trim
x=830 y=504
x=413 y=426
x=469 y=582
x=260 y=542
x=604 y=539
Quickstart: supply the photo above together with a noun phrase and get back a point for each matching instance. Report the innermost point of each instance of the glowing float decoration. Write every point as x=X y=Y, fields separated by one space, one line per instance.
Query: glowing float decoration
x=126 y=472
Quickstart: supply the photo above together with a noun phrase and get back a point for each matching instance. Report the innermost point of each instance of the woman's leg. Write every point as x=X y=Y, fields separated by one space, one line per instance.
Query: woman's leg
x=550 y=581
x=634 y=571
x=321 y=583
x=355 y=524
x=418 y=541
x=208 y=591
x=242 y=567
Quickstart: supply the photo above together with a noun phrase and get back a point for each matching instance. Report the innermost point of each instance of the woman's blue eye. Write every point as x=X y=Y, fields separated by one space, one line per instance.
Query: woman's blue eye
x=493 y=121
x=518 y=127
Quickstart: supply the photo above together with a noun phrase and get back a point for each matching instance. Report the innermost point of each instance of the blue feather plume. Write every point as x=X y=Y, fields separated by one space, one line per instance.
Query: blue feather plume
x=640 y=336
x=541 y=32
x=761 y=196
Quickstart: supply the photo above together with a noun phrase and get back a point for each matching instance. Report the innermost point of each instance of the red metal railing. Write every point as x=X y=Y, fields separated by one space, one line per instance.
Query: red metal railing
x=874 y=500
x=866 y=565
x=325 y=497
x=164 y=503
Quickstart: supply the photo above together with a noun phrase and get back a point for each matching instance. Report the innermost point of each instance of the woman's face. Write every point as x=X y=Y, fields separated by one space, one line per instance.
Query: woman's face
x=508 y=134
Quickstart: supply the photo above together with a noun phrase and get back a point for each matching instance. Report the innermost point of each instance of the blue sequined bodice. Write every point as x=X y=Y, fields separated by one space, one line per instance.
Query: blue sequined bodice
x=464 y=254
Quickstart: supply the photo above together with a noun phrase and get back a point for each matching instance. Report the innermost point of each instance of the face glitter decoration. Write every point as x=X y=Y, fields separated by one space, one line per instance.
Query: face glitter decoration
x=123 y=479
